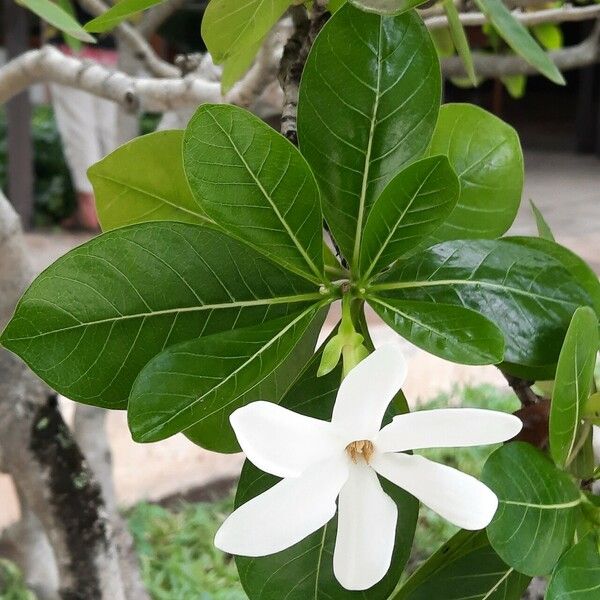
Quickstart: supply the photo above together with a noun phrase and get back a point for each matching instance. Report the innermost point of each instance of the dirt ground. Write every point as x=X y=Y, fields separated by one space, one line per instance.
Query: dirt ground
x=565 y=187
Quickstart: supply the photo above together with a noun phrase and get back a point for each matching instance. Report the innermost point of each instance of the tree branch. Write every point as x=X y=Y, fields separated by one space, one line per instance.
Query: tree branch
x=495 y=66
x=553 y=15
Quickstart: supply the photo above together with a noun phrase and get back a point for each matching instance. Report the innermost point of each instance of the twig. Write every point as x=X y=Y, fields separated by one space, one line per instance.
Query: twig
x=522 y=388
x=553 y=15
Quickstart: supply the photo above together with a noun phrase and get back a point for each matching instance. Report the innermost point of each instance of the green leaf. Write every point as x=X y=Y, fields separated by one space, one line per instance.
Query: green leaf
x=525 y=292
x=515 y=85
x=91 y=321
x=306 y=569
x=117 y=13
x=237 y=65
x=386 y=7
x=549 y=35
x=412 y=206
x=538 y=508
x=253 y=182
x=450 y=332
x=459 y=37
x=466 y=566
x=234 y=26
x=144 y=181
x=369 y=100
x=519 y=39
x=74 y=44
x=56 y=16
x=573 y=384
x=577 y=574
x=486 y=154
x=584 y=462
x=195 y=386
x=335 y=5
x=543 y=228
x=575 y=265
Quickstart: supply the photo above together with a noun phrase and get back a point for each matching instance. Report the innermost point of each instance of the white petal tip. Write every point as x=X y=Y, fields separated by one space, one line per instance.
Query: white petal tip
x=482 y=514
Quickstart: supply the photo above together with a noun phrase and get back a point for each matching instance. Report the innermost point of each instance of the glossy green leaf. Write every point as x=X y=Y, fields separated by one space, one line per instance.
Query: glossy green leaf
x=459 y=38
x=306 y=569
x=528 y=294
x=90 y=322
x=253 y=182
x=451 y=332
x=412 y=206
x=74 y=44
x=369 y=100
x=575 y=265
x=232 y=26
x=577 y=574
x=543 y=228
x=144 y=181
x=538 y=508
x=194 y=386
x=584 y=463
x=515 y=85
x=486 y=154
x=549 y=35
x=386 y=7
x=573 y=384
x=56 y=16
x=519 y=39
x=117 y=13
x=465 y=567
x=335 y=5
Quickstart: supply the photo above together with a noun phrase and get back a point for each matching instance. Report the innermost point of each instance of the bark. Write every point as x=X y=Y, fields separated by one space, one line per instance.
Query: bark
x=46 y=464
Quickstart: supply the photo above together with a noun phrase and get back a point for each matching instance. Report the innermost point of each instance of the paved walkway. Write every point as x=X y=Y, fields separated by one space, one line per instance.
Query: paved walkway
x=566 y=188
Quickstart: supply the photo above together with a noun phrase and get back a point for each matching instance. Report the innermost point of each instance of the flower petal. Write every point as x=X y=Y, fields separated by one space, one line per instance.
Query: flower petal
x=367 y=391
x=458 y=497
x=286 y=513
x=447 y=428
x=366 y=530
x=282 y=442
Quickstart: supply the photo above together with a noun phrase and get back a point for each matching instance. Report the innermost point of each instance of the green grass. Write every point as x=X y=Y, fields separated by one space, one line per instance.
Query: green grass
x=177 y=556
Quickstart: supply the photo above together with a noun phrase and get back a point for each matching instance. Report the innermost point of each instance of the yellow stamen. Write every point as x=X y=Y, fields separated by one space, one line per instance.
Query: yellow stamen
x=360 y=449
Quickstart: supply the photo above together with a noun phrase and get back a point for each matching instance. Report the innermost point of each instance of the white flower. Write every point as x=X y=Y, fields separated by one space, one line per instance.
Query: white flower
x=320 y=461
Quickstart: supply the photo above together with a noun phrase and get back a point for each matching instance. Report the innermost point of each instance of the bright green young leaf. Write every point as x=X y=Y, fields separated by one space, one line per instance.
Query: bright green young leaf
x=466 y=566
x=549 y=35
x=451 y=332
x=515 y=85
x=74 y=44
x=459 y=37
x=195 y=386
x=538 y=508
x=573 y=384
x=577 y=574
x=233 y=26
x=369 y=100
x=519 y=39
x=525 y=292
x=91 y=321
x=253 y=182
x=305 y=571
x=486 y=154
x=412 y=206
x=144 y=181
x=118 y=12
x=56 y=16
x=386 y=7
x=543 y=228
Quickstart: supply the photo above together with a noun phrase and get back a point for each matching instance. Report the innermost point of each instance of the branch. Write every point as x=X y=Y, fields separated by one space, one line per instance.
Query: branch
x=552 y=15
x=495 y=66
x=157 y=15
x=135 y=41
x=158 y=95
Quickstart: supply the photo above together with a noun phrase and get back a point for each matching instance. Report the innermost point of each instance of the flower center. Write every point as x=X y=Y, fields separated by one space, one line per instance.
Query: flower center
x=360 y=449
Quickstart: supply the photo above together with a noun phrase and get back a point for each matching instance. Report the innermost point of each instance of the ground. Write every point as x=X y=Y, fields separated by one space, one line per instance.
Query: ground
x=565 y=187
